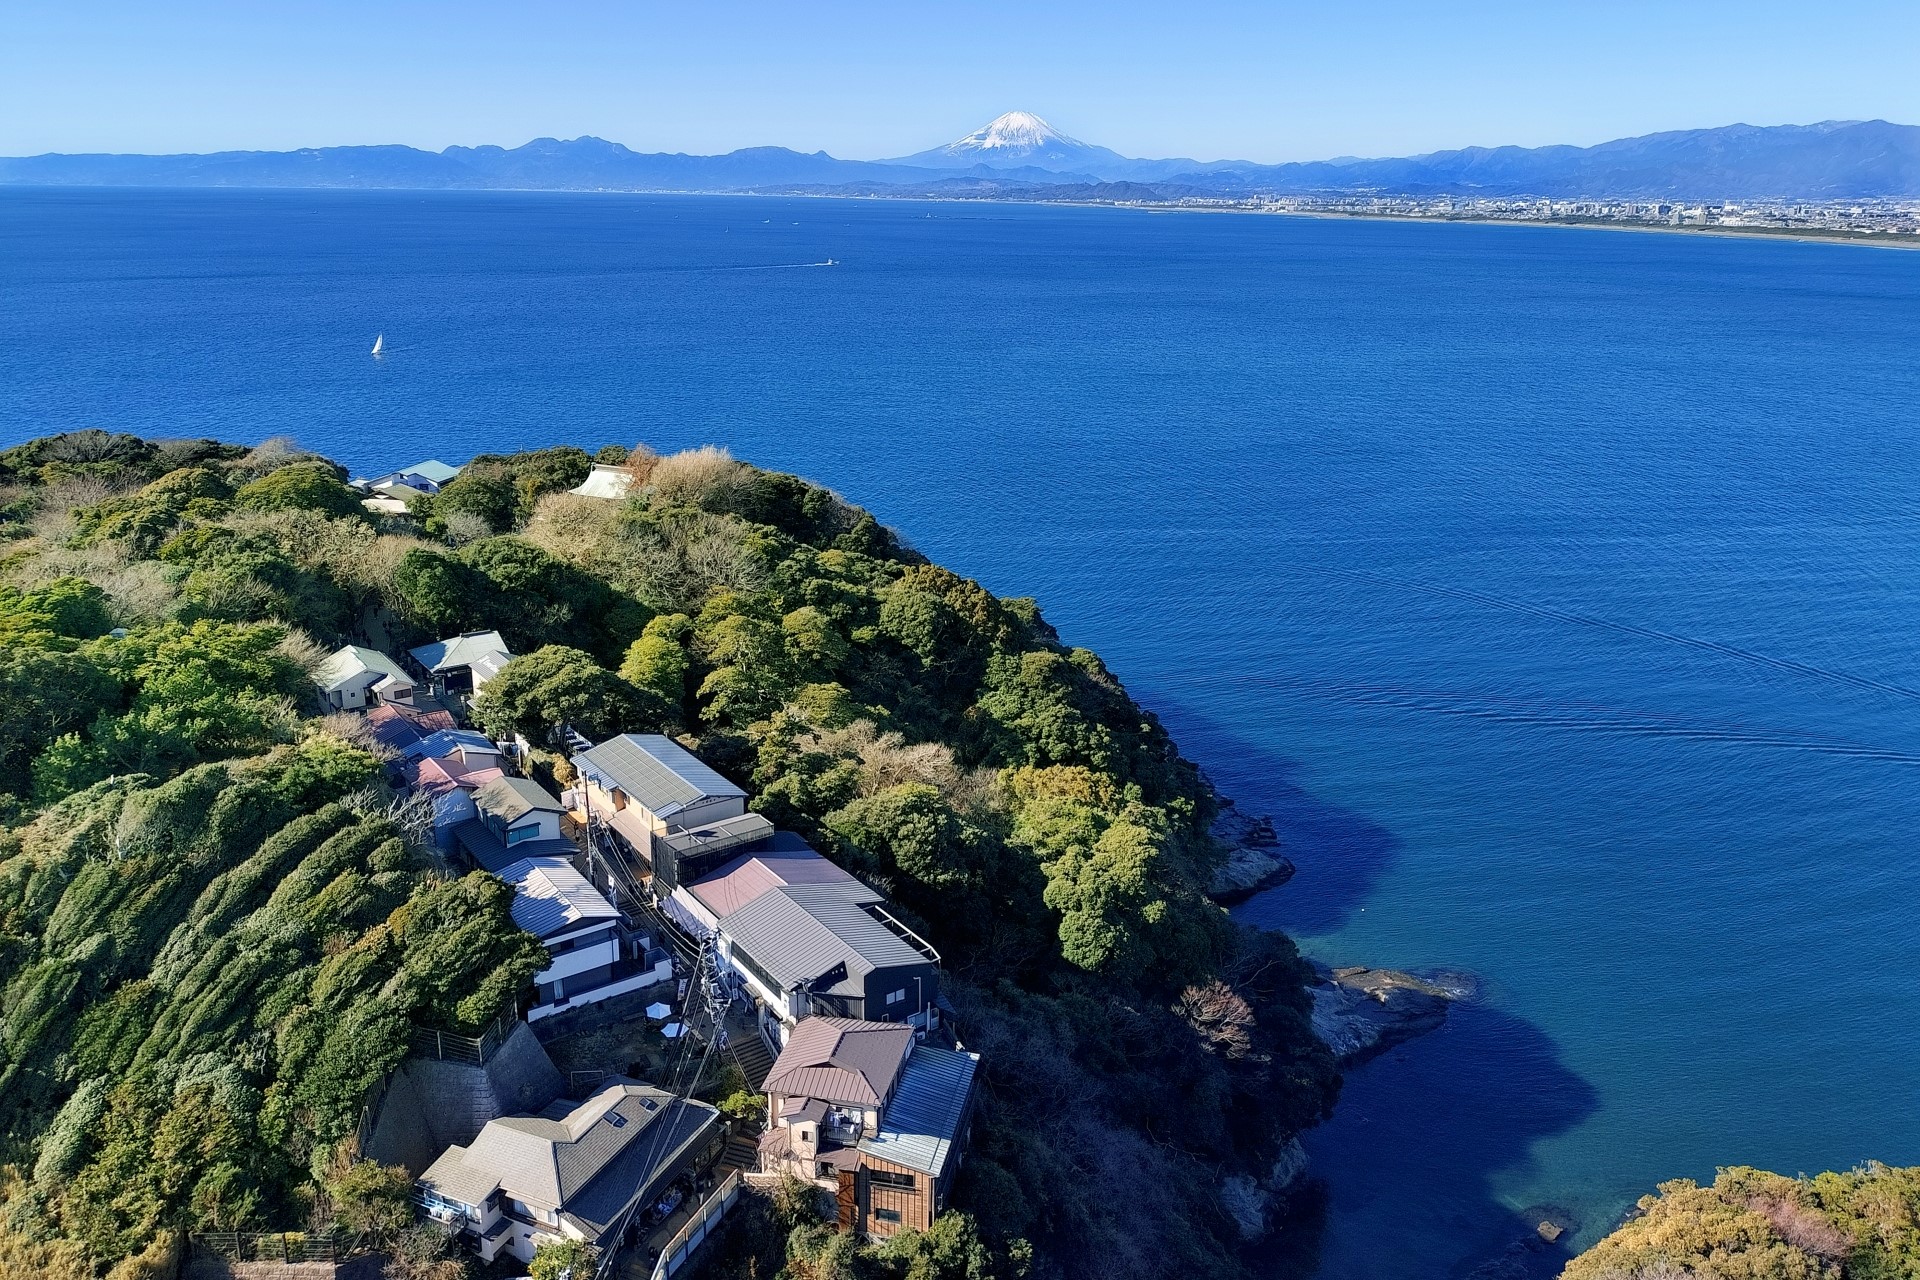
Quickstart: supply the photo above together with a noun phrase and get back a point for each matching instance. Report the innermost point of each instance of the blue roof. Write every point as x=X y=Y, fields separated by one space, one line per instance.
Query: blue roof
x=444 y=742
x=433 y=469
x=920 y=1125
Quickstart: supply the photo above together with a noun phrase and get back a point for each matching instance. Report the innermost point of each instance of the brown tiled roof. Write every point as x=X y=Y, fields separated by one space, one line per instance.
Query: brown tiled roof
x=841 y=1060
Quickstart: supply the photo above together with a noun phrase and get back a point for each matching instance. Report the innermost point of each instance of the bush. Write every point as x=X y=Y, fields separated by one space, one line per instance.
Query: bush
x=311 y=486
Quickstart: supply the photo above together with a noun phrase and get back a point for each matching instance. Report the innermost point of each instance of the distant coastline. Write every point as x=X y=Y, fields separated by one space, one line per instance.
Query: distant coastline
x=1873 y=240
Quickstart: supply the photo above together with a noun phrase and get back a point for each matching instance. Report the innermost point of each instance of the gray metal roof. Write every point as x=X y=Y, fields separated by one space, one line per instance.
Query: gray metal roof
x=806 y=933
x=550 y=897
x=511 y=798
x=459 y=651
x=921 y=1124
x=840 y=1060
x=660 y=775
x=350 y=662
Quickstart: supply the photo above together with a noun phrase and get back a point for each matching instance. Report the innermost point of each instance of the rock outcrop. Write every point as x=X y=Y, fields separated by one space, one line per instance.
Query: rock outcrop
x=1252 y=1202
x=1254 y=861
x=1361 y=1012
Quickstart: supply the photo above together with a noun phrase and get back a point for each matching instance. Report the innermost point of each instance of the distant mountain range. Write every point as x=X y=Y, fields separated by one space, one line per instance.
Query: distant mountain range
x=1019 y=153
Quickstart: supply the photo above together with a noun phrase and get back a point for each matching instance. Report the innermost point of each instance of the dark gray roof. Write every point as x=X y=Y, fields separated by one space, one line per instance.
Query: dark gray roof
x=485 y=848
x=840 y=1060
x=511 y=798
x=921 y=1124
x=806 y=933
x=662 y=776
x=644 y=1168
x=580 y=1161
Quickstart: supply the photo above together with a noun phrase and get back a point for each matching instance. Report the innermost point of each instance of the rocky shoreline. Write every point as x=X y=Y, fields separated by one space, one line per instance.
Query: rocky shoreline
x=1359 y=1011
x=1254 y=862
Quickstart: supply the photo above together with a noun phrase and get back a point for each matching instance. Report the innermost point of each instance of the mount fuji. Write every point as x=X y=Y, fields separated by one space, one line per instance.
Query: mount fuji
x=1020 y=139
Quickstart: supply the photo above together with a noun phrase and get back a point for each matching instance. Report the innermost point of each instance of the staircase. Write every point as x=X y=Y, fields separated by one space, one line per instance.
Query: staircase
x=749 y=1050
x=741 y=1153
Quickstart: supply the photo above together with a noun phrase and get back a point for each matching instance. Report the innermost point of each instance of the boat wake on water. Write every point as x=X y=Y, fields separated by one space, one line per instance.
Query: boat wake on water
x=1645 y=633
x=782 y=266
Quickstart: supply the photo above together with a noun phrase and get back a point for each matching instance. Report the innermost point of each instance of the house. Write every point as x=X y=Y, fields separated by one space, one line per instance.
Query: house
x=872 y=1113
x=465 y=662
x=780 y=859
x=803 y=937
x=469 y=746
x=516 y=810
x=605 y=482
x=353 y=678
x=600 y=1171
x=594 y=958
x=643 y=785
x=449 y=782
x=827 y=948
x=422 y=477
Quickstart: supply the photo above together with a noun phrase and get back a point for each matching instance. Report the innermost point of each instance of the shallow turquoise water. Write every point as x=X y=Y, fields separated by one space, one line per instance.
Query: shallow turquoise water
x=1555 y=589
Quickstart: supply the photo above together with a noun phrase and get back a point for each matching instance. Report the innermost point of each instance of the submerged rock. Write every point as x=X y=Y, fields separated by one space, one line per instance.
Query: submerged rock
x=1361 y=1013
x=1254 y=861
x=1535 y=1253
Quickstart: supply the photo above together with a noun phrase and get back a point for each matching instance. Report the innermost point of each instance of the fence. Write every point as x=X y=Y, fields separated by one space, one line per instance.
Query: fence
x=272 y=1246
x=426 y=1042
x=697 y=1228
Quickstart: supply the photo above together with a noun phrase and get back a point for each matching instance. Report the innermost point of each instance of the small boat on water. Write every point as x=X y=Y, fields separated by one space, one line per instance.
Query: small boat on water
x=379 y=343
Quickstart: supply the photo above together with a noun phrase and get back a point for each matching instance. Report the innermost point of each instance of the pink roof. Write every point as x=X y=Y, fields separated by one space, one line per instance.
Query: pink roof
x=734 y=884
x=443 y=774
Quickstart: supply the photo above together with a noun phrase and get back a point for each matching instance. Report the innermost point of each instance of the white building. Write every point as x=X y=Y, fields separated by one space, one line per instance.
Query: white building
x=353 y=678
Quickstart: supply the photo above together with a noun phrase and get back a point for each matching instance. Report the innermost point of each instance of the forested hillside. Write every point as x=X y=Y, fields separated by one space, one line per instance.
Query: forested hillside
x=212 y=918
x=1754 y=1225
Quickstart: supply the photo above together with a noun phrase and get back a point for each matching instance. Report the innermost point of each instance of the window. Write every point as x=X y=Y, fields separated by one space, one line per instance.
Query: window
x=888 y=1178
x=887 y=1215
x=895 y=997
x=516 y=834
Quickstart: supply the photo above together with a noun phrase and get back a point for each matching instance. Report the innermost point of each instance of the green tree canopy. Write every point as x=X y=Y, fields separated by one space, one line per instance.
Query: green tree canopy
x=556 y=685
x=313 y=486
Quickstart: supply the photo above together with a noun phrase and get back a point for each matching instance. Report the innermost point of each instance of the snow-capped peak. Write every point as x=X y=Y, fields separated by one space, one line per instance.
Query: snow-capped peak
x=1016 y=131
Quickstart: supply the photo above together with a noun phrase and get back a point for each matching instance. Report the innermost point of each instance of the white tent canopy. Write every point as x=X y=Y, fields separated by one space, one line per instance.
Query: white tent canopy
x=658 y=1011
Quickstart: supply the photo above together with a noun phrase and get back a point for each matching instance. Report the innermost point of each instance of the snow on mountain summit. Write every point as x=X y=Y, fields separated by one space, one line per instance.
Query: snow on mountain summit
x=1021 y=140
x=1017 y=132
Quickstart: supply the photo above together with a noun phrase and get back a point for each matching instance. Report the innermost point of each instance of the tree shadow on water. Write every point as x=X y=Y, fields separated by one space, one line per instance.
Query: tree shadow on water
x=1340 y=854
x=1405 y=1172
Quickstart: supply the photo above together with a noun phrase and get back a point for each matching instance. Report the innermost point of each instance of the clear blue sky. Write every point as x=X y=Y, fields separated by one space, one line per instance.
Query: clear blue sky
x=1202 y=78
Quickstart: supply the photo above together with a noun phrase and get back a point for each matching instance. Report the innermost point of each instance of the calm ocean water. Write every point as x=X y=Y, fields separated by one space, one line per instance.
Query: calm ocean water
x=1556 y=590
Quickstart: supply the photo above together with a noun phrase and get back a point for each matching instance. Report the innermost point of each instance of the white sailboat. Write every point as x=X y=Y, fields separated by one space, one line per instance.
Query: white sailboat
x=379 y=343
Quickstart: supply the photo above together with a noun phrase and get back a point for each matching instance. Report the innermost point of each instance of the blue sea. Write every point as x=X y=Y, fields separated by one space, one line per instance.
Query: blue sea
x=1557 y=591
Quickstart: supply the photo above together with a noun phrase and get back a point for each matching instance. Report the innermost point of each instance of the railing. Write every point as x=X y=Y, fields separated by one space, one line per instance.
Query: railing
x=697 y=1228
x=899 y=930
x=272 y=1246
x=448 y=1046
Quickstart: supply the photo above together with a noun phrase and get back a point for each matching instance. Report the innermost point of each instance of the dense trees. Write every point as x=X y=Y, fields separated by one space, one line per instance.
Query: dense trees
x=555 y=686
x=1753 y=1225
x=204 y=979
x=211 y=946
